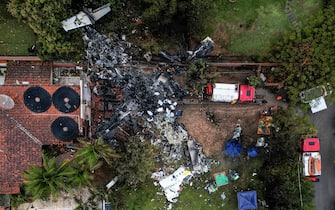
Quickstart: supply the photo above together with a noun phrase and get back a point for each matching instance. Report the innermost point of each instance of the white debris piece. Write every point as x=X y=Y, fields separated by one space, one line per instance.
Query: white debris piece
x=157 y=175
x=237 y=132
x=171 y=184
x=160 y=109
x=112 y=183
x=85 y=17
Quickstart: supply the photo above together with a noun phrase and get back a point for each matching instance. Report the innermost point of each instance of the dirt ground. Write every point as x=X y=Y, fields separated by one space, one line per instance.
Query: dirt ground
x=214 y=136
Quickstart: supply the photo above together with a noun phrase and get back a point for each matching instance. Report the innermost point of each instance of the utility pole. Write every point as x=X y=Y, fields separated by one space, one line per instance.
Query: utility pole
x=299 y=182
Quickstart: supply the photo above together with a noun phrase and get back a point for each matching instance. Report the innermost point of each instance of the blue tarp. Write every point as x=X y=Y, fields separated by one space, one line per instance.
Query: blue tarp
x=179 y=113
x=252 y=152
x=233 y=148
x=247 y=200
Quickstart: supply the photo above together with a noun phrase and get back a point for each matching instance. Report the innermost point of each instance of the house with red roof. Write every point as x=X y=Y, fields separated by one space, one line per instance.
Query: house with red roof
x=34 y=111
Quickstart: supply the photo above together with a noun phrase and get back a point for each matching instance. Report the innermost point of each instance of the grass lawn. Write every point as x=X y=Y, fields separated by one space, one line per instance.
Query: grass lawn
x=250 y=27
x=195 y=197
x=143 y=197
x=16 y=37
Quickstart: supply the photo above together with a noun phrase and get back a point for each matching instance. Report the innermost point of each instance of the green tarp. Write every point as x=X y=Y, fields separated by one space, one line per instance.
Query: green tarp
x=221 y=179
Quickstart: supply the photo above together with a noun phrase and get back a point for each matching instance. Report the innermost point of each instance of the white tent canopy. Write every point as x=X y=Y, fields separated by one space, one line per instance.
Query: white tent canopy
x=318 y=104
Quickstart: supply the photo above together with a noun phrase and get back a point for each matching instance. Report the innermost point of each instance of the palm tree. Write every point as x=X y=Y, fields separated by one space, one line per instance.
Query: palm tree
x=81 y=179
x=91 y=155
x=48 y=179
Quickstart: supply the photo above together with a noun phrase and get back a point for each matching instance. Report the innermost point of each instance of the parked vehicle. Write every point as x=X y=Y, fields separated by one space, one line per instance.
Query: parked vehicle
x=311 y=158
x=231 y=93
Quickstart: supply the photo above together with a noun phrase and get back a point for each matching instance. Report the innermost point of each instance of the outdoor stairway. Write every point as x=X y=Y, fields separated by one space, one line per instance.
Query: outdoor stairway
x=290 y=14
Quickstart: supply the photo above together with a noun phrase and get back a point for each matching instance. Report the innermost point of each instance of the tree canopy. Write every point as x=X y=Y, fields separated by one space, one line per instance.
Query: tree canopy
x=178 y=18
x=190 y=18
x=307 y=55
x=280 y=172
x=136 y=162
x=48 y=179
x=91 y=155
x=44 y=17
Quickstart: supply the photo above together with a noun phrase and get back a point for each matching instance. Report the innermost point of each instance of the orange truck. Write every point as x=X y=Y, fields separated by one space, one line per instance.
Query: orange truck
x=311 y=158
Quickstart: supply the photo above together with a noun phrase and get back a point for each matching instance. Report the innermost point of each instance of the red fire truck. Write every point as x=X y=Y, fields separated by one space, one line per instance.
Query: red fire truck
x=311 y=158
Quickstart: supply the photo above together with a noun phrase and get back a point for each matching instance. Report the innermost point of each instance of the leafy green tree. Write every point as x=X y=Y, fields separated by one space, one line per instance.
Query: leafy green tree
x=198 y=75
x=136 y=162
x=307 y=55
x=199 y=16
x=254 y=80
x=44 y=17
x=49 y=179
x=161 y=12
x=279 y=172
x=190 y=18
x=91 y=155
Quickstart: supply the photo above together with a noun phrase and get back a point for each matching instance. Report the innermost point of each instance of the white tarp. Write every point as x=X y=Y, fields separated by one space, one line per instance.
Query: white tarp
x=318 y=104
x=225 y=92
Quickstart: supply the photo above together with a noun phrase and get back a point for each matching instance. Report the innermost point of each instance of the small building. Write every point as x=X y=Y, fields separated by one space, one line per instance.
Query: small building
x=225 y=92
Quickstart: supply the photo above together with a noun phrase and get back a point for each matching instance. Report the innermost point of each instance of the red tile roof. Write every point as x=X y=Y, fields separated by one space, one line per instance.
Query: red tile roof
x=23 y=132
x=35 y=72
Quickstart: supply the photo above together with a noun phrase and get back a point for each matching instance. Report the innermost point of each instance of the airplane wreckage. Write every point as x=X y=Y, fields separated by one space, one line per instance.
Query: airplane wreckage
x=148 y=103
x=85 y=17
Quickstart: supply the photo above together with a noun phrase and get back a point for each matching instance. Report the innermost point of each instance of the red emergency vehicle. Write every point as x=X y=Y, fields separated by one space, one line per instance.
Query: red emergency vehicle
x=311 y=158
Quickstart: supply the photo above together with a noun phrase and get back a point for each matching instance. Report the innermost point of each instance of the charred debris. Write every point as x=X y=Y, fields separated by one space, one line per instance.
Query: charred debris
x=136 y=103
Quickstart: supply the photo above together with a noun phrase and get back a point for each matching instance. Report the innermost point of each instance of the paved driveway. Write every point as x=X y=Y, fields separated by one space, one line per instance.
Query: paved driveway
x=325 y=189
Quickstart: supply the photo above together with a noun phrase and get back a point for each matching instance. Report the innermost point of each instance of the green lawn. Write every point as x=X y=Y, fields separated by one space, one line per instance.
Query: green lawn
x=195 y=197
x=143 y=197
x=249 y=27
x=16 y=37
